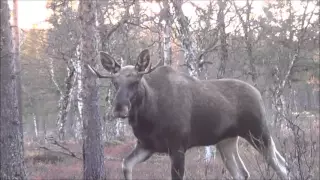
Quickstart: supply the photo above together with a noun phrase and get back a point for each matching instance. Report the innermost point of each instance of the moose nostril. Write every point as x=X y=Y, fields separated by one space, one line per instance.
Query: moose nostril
x=121 y=111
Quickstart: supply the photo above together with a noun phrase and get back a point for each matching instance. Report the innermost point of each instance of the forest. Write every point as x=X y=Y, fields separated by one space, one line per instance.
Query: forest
x=56 y=120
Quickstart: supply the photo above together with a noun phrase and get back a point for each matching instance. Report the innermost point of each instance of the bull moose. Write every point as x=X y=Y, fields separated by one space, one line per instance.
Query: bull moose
x=171 y=112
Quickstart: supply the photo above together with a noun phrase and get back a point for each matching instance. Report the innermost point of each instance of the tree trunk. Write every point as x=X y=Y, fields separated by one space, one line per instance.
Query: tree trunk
x=44 y=129
x=185 y=38
x=11 y=134
x=16 y=40
x=75 y=125
x=35 y=125
x=167 y=50
x=93 y=158
x=223 y=39
x=79 y=123
x=64 y=104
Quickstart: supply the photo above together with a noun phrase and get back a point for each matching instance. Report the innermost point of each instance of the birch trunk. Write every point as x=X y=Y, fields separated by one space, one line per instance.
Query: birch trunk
x=64 y=104
x=11 y=134
x=53 y=77
x=93 y=158
x=36 y=120
x=62 y=101
x=73 y=112
x=167 y=50
x=280 y=103
x=185 y=38
x=35 y=125
x=79 y=124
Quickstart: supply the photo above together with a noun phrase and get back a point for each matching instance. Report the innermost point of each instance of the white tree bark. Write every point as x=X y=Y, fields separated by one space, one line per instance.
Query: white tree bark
x=64 y=103
x=186 y=39
x=53 y=77
x=79 y=83
x=280 y=84
x=35 y=124
x=167 y=50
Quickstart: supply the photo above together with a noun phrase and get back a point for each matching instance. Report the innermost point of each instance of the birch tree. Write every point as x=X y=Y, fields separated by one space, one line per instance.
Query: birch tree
x=186 y=39
x=282 y=80
x=166 y=17
x=93 y=158
x=63 y=40
x=11 y=135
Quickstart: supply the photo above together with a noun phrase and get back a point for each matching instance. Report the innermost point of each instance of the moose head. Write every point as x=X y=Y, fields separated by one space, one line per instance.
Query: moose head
x=126 y=80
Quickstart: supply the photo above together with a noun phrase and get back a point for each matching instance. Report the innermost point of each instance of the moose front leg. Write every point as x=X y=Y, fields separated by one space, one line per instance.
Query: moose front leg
x=177 y=164
x=138 y=155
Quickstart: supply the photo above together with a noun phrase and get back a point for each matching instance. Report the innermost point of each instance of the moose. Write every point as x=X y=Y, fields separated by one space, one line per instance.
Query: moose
x=171 y=112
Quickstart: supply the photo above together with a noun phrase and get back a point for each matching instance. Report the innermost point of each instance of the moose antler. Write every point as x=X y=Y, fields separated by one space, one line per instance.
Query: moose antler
x=97 y=73
x=149 y=68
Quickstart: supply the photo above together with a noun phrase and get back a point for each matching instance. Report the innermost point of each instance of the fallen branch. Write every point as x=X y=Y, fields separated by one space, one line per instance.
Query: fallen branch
x=72 y=155
x=55 y=142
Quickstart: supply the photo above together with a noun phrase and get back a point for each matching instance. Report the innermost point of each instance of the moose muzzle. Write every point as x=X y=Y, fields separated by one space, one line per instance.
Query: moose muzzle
x=122 y=103
x=121 y=111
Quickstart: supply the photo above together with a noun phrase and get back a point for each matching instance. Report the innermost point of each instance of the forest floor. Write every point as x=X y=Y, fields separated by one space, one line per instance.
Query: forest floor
x=43 y=164
x=47 y=162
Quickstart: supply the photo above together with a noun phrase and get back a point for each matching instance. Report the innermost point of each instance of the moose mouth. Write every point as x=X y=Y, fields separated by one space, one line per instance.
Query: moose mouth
x=120 y=114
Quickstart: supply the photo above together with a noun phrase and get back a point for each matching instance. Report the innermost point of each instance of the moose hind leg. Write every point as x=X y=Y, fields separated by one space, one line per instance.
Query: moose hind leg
x=276 y=161
x=228 y=149
x=138 y=155
x=280 y=158
x=266 y=146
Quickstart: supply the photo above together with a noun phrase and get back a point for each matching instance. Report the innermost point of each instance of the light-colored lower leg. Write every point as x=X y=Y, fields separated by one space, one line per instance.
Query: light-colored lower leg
x=228 y=149
x=276 y=161
x=280 y=158
x=240 y=163
x=138 y=155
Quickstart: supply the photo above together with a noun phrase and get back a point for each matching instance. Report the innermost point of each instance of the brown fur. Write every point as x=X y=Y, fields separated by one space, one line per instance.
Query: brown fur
x=171 y=112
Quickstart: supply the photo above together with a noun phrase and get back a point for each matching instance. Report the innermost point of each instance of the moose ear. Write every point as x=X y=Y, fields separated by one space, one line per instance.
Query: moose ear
x=143 y=60
x=109 y=63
